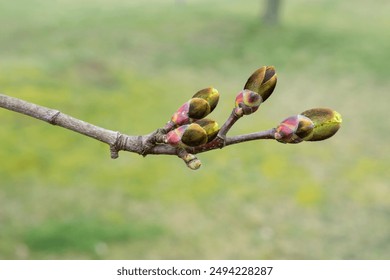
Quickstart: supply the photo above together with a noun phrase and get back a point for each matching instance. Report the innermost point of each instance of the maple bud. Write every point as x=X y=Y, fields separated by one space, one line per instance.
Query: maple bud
x=195 y=108
x=210 y=126
x=294 y=129
x=247 y=102
x=186 y=135
x=211 y=95
x=198 y=108
x=262 y=81
x=326 y=123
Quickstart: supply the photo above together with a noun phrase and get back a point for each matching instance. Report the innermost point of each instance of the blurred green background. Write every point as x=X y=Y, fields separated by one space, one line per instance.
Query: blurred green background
x=128 y=65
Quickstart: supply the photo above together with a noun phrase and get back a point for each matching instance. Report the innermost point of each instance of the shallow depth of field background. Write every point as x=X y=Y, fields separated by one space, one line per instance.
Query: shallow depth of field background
x=128 y=65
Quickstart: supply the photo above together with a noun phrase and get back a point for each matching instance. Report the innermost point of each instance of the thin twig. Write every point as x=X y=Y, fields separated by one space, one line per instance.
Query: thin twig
x=228 y=125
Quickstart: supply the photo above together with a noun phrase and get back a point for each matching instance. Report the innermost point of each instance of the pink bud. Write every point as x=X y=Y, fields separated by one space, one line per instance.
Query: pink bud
x=294 y=129
x=247 y=102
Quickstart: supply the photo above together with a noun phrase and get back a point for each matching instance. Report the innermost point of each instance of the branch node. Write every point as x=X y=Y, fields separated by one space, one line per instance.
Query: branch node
x=144 y=146
x=52 y=116
x=220 y=141
x=119 y=144
x=154 y=138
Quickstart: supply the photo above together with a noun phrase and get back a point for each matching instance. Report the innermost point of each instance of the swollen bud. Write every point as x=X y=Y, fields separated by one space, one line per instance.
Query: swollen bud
x=247 y=102
x=211 y=95
x=198 y=108
x=211 y=127
x=262 y=81
x=326 y=123
x=194 y=135
x=195 y=108
x=186 y=135
x=294 y=129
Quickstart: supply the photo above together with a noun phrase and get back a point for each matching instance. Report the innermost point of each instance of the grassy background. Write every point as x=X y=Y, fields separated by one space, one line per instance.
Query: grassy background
x=127 y=65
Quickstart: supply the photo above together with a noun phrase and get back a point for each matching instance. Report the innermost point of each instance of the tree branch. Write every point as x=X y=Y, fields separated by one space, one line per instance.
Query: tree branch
x=188 y=129
x=116 y=140
x=143 y=145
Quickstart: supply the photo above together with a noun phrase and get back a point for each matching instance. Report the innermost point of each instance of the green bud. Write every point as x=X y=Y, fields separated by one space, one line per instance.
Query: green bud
x=326 y=123
x=211 y=95
x=262 y=81
x=186 y=135
x=211 y=127
x=305 y=127
x=194 y=135
x=199 y=108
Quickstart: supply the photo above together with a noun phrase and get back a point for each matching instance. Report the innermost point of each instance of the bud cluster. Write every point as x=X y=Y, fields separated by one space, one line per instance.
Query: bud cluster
x=189 y=127
x=199 y=106
x=195 y=134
